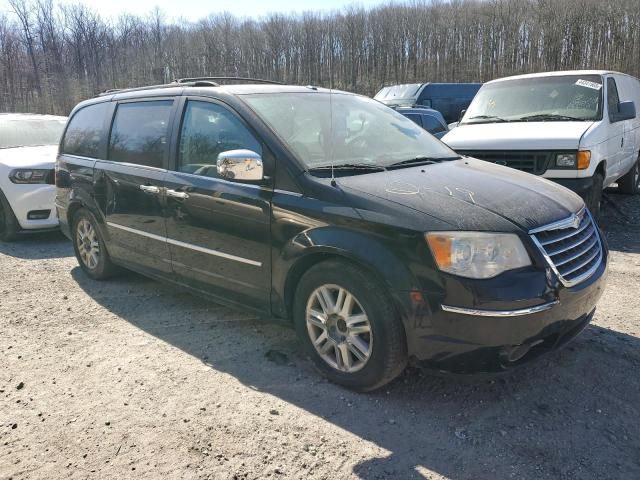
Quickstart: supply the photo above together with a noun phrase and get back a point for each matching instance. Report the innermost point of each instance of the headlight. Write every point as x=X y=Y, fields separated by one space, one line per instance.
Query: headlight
x=579 y=160
x=477 y=254
x=566 y=160
x=25 y=175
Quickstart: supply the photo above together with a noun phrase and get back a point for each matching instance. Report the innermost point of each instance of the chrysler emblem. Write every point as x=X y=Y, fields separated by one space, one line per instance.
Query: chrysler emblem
x=577 y=219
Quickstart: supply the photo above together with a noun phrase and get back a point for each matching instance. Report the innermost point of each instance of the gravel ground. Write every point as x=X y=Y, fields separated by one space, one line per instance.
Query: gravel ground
x=129 y=378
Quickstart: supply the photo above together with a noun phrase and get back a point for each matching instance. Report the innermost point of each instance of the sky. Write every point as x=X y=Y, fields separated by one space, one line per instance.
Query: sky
x=196 y=9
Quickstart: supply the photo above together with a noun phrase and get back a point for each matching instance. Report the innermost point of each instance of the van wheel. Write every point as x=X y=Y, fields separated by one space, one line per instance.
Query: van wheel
x=630 y=183
x=348 y=326
x=9 y=226
x=593 y=198
x=89 y=246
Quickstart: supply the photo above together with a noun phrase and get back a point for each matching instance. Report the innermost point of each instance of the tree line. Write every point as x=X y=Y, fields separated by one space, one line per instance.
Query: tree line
x=53 y=56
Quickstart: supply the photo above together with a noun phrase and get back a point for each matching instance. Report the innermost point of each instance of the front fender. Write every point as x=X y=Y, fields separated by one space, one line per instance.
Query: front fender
x=369 y=252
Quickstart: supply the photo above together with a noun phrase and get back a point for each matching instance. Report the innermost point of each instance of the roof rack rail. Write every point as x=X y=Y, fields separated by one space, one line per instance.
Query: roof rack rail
x=242 y=79
x=136 y=89
x=189 y=82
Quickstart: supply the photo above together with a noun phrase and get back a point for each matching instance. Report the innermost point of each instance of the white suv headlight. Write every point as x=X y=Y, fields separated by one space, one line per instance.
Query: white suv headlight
x=477 y=254
x=29 y=175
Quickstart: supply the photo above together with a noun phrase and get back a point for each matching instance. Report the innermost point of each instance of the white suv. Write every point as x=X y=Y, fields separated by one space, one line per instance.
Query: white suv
x=28 y=149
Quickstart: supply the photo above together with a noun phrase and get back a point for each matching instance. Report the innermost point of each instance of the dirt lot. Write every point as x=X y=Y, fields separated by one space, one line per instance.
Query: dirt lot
x=129 y=378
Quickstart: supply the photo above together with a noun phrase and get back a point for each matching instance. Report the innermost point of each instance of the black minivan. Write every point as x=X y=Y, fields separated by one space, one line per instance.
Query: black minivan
x=336 y=213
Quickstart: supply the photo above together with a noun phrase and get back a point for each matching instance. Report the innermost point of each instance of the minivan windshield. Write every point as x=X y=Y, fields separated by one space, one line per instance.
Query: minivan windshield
x=30 y=132
x=539 y=99
x=351 y=130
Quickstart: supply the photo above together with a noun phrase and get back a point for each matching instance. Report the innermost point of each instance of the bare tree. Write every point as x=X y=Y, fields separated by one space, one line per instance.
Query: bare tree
x=52 y=56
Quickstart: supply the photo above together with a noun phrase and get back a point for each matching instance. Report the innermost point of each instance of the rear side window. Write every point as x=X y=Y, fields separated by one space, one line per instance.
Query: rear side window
x=84 y=133
x=140 y=133
x=431 y=124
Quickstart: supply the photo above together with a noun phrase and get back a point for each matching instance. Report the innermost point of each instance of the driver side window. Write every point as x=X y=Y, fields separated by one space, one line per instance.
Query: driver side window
x=209 y=129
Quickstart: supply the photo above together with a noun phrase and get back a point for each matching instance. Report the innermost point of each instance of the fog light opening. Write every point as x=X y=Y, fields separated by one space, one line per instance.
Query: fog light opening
x=38 y=214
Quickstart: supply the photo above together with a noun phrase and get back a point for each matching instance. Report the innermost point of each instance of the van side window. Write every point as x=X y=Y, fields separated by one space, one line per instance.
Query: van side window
x=139 y=133
x=84 y=133
x=209 y=129
x=432 y=124
x=613 y=101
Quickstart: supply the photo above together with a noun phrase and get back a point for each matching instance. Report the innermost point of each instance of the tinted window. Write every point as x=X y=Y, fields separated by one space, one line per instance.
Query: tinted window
x=613 y=100
x=415 y=118
x=209 y=129
x=431 y=124
x=140 y=133
x=84 y=133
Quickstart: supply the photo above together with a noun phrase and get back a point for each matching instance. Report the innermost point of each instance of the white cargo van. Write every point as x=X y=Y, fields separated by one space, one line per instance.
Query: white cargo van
x=577 y=128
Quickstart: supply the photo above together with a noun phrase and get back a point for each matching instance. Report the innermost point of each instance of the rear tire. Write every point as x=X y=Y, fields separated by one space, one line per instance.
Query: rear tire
x=9 y=226
x=593 y=198
x=89 y=246
x=630 y=183
x=362 y=344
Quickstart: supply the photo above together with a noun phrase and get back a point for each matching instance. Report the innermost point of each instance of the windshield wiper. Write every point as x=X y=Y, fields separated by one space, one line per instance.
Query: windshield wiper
x=348 y=166
x=421 y=160
x=493 y=118
x=548 y=116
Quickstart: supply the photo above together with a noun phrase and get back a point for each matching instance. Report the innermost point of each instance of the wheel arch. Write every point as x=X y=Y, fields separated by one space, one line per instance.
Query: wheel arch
x=85 y=201
x=311 y=259
x=602 y=168
x=308 y=249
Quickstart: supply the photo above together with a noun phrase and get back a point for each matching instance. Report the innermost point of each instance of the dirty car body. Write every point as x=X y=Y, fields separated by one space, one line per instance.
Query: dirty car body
x=325 y=195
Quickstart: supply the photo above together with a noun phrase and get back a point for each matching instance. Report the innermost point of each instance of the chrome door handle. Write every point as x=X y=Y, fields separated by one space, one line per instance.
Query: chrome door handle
x=150 y=189
x=180 y=195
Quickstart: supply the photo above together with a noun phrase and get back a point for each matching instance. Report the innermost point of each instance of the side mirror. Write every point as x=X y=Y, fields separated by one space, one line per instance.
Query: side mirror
x=462 y=112
x=627 y=111
x=240 y=165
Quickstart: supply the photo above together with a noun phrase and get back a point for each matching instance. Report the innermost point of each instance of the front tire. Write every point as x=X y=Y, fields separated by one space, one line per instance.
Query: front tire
x=9 y=226
x=348 y=326
x=630 y=182
x=593 y=197
x=89 y=246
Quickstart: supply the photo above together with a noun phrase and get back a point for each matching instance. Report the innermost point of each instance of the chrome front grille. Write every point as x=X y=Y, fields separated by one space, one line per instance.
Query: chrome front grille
x=572 y=247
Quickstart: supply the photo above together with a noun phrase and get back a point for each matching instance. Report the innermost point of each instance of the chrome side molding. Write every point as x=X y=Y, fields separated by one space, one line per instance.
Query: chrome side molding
x=189 y=246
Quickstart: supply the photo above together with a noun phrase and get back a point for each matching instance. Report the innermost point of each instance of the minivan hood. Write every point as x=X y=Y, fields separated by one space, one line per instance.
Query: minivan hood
x=517 y=136
x=29 y=157
x=461 y=192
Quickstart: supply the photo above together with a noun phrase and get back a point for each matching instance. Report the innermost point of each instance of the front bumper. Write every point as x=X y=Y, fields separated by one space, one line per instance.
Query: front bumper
x=24 y=199
x=463 y=339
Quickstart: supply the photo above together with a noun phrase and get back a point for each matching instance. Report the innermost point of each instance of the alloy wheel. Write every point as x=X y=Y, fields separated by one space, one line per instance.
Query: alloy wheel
x=339 y=328
x=88 y=244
